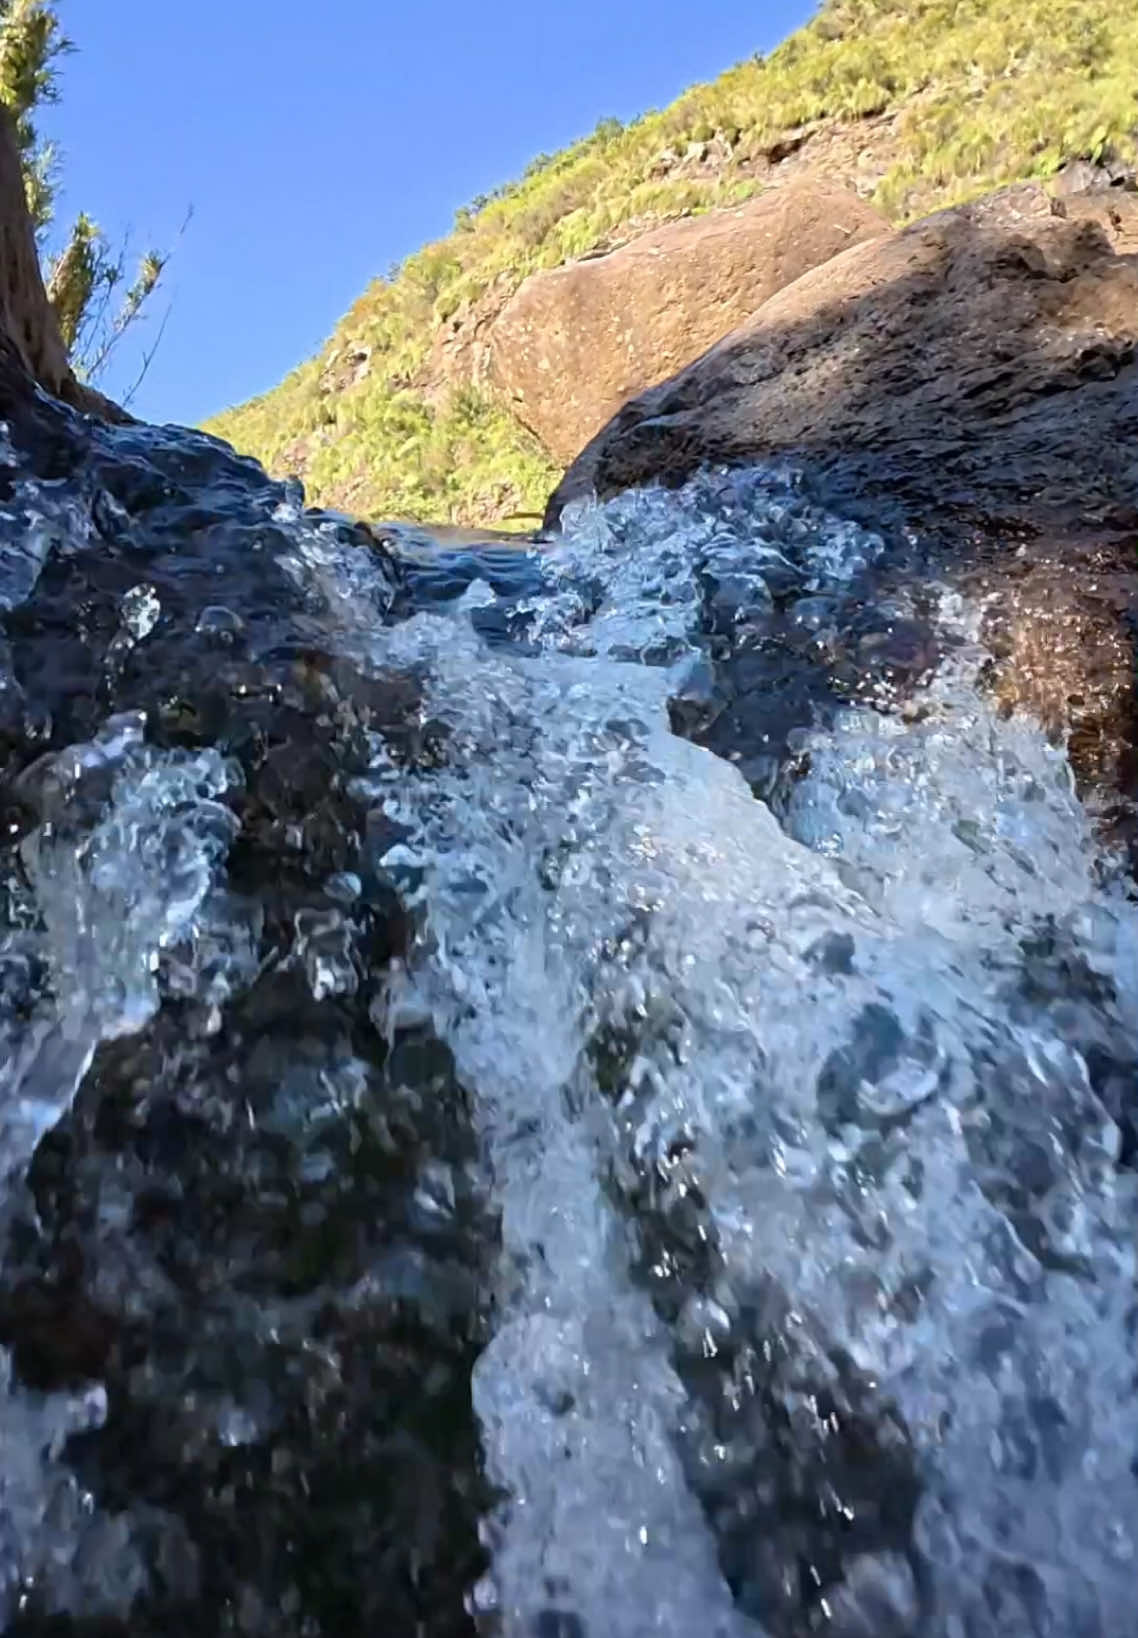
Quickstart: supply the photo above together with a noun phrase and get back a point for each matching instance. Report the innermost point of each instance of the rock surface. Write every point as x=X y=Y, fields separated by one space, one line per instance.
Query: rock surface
x=973 y=379
x=26 y=318
x=574 y=342
x=249 y=1333
x=979 y=362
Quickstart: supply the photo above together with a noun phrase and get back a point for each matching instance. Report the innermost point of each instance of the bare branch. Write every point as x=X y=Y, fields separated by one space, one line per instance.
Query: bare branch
x=148 y=358
x=102 y=339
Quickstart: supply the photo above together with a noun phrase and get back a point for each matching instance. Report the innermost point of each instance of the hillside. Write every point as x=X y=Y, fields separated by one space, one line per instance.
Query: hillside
x=916 y=103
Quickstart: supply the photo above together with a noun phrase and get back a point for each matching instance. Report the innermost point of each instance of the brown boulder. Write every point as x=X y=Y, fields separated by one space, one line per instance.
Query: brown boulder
x=973 y=379
x=27 y=322
x=575 y=342
x=980 y=363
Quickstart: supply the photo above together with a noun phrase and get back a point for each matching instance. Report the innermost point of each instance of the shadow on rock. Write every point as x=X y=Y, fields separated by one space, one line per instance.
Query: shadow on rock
x=969 y=384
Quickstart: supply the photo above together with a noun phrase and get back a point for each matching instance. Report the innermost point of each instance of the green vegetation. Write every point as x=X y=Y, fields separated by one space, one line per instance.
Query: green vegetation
x=86 y=279
x=31 y=43
x=982 y=92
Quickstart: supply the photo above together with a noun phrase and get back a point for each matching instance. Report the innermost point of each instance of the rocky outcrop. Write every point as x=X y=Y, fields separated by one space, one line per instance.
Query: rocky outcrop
x=26 y=318
x=980 y=362
x=575 y=342
x=970 y=380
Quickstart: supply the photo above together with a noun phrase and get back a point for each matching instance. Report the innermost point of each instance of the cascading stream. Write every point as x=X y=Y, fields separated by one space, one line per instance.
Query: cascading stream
x=847 y=1049
x=807 y=1123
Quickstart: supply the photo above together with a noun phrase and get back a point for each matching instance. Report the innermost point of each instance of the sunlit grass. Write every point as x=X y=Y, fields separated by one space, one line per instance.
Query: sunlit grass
x=988 y=92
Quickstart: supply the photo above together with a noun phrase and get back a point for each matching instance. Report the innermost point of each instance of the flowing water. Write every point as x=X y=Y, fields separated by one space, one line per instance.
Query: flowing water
x=577 y=1092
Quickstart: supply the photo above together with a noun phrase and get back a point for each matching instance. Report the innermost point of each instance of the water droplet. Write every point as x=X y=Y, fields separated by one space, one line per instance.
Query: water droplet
x=140 y=610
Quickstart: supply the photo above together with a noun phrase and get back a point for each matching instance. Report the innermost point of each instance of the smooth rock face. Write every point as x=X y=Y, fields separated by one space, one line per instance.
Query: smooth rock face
x=972 y=380
x=575 y=342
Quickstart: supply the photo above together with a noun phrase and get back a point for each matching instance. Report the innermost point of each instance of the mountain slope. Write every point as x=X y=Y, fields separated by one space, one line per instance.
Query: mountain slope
x=917 y=103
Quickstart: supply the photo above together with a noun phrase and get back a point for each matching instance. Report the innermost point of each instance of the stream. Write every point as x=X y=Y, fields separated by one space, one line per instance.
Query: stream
x=586 y=1089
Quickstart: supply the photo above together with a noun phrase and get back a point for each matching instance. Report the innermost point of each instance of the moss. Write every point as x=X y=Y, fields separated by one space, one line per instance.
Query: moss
x=985 y=92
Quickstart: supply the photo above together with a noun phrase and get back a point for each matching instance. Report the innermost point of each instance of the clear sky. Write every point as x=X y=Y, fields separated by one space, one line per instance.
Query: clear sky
x=318 y=141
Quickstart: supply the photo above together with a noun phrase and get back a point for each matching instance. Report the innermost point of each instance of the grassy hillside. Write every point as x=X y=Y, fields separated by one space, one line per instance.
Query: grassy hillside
x=980 y=92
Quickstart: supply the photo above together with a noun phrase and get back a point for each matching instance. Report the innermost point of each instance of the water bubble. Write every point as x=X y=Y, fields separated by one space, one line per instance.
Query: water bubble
x=140 y=611
x=220 y=623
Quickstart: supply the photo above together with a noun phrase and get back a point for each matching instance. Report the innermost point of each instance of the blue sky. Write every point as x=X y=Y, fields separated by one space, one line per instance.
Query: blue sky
x=319 y=141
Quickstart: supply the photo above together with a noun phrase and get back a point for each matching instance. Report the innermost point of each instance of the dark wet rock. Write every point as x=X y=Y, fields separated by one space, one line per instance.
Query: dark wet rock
x=558 y=1624
x=259 y=1233
x=1061 y=622
x=776 y=653
x=284 y=1340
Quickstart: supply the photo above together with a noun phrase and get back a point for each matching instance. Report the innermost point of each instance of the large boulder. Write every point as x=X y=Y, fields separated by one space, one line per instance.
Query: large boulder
x=575 y=342
x=979 y=363
x=27 y=322
x=970 y=380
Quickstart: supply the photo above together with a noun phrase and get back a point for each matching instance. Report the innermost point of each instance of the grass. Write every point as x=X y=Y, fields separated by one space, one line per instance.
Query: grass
x=983 y=92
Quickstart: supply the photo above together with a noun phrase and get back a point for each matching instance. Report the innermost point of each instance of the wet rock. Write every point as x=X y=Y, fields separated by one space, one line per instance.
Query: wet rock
x=224 y=1235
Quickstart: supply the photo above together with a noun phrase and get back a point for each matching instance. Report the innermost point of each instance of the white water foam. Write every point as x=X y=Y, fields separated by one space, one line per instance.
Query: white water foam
x=583 y=872
x=119 y=877
x=116 y=874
